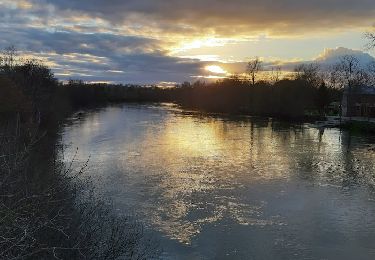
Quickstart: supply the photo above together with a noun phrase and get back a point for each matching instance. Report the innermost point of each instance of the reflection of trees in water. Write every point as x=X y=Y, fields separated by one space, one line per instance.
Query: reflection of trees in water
x=358 y=159
x=339 y=158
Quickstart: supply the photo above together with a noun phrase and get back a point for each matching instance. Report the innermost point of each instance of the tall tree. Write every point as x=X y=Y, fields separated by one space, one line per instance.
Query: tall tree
x=371 y=40
x=310 y=73
x=253 y=68
x=350 y=75
x=275 y=74
x=8 y=58
x=349 y=72
x=322 y=98
x=371 y=73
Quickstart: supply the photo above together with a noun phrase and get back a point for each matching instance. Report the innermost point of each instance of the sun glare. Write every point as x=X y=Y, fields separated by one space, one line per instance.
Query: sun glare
x=215 y=69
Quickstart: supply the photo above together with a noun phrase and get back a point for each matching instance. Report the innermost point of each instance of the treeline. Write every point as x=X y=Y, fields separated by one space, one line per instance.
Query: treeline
x=79 y=94
x=286 y=98
x=48 y=101
x=289 y=98
x=307 y=92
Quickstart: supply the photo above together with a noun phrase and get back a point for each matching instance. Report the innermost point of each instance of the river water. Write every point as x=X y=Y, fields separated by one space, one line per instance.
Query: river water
x=220 y=187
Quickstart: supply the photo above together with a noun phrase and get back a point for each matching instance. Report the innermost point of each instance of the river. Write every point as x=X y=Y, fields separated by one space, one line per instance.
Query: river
x=224 y=187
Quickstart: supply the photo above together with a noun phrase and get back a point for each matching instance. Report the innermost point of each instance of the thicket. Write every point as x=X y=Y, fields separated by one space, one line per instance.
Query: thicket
x=47 y=209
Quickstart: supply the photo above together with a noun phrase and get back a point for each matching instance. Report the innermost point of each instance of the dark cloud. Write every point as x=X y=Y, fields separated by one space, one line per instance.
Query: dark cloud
x=70 y=42
x=227 y=17
x=96 y=56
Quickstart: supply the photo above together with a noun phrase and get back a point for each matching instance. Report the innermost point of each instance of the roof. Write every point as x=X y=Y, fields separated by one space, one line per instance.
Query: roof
x=363 y=90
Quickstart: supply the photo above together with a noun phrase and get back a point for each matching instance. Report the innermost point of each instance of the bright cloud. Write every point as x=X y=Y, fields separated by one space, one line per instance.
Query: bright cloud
x=216 y=69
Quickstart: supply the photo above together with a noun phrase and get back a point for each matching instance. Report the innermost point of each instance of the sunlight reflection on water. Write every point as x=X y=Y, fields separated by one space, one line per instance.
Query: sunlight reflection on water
x=190 y=177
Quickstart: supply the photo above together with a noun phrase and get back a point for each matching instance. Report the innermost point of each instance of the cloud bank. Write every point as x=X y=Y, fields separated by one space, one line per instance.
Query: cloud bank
x=226 y=17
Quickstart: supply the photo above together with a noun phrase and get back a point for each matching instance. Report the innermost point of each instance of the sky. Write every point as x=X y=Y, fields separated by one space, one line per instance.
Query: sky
x=165 y=41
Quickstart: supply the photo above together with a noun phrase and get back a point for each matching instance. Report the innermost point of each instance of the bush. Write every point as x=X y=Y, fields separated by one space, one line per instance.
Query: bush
x=54 y=214
x=12 y=100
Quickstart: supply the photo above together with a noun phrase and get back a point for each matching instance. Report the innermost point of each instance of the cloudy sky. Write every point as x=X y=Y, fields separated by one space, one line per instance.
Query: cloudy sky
x=152 y=41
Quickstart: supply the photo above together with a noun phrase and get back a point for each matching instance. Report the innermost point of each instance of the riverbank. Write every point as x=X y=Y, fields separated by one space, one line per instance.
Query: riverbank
x=50 y=211
x=353 y=124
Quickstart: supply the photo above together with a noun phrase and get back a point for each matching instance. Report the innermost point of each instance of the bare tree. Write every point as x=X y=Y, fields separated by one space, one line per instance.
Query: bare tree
x=8 y=58
x=253 y=68
x=371 y=73
x=348 y=72
x=310 y=73
x=275 y=74
x=371 y=40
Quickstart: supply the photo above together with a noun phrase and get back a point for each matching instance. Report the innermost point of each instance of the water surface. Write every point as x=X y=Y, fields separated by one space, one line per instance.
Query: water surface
x=217 y=187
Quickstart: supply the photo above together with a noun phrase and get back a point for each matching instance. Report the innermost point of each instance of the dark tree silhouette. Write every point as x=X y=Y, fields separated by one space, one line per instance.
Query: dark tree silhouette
x=322 y=98
x=371 y=40
x=310 y=73
x=253 y=68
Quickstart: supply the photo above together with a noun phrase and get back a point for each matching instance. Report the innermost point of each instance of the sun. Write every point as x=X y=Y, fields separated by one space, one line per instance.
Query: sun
x=215 y=69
